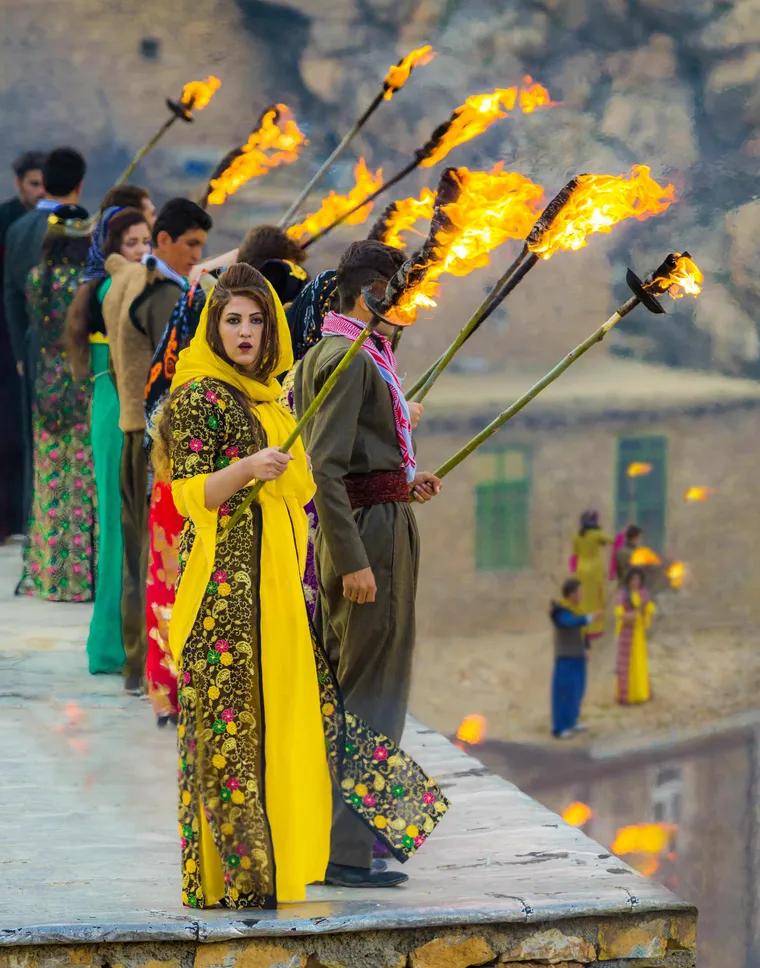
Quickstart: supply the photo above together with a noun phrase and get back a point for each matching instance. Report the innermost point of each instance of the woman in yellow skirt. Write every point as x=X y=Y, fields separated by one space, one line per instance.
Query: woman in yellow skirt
x=588 y=564
x=261 y=723
x=634 y=611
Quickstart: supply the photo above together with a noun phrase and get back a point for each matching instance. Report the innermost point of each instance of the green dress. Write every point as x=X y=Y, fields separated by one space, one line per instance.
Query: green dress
x=105 y=650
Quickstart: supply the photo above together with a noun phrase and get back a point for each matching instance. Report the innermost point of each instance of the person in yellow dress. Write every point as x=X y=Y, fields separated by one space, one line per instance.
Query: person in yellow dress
x=261 y=722
x=588 y=564
x=634 y=611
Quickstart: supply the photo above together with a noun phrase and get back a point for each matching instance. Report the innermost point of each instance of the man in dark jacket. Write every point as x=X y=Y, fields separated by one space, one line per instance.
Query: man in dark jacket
x=62 y=176
x=29 y=189
x=570 y=647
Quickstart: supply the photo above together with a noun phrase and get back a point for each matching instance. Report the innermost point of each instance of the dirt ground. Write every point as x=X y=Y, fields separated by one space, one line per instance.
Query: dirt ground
x=697 y=676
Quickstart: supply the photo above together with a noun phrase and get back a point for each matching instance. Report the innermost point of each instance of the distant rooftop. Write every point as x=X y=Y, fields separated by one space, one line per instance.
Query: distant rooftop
x=597 y=386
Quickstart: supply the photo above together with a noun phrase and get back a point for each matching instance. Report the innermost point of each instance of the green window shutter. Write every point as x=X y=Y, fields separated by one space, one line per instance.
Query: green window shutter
x=643 y=500
x=502 y=509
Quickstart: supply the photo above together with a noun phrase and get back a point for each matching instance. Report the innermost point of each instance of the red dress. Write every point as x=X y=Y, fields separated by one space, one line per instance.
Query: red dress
x=164 y=524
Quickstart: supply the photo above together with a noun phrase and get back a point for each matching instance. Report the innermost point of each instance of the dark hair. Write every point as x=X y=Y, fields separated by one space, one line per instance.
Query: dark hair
x=125 y=196
x=178 y=216
x=364 y=263
x=570 y=586
x=243 y=280
x=63 y=171
x=629 y=577
x=29 y=161
x=80 y=312
x=118 y=225
x=632 y=531
x=589 y=521
x=264 y=242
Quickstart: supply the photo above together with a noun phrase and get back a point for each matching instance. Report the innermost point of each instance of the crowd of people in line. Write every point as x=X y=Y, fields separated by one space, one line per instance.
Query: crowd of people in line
x=139 y=407
x=579 y=617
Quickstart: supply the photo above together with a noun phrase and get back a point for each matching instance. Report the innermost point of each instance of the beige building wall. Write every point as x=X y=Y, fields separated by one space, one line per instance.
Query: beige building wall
x=572 y=468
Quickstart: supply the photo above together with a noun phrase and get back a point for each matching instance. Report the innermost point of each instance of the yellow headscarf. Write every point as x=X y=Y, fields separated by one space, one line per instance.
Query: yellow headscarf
x=282 y=501
x=198 y=360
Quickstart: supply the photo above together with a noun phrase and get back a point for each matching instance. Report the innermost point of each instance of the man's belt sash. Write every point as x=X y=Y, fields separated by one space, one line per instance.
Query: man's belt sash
x=377 y=487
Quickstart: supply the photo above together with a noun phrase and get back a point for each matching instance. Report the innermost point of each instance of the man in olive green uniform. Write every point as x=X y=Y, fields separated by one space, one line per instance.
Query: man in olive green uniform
x=367 y=545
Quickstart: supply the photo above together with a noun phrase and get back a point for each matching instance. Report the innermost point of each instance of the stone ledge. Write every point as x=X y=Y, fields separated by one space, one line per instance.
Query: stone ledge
x=504 y=881
x=647 y=942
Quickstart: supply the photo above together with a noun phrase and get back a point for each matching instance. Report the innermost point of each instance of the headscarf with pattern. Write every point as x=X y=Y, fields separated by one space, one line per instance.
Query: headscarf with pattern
x=308 y=309
x=95 y=267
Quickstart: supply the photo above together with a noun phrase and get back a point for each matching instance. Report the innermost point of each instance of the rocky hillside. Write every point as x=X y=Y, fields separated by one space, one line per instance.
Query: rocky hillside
x=673 y=84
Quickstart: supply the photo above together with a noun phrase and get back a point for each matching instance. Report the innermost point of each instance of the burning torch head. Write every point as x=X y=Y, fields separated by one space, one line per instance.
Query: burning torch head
x=415 y=267
x=195 y=96
x=677 y=275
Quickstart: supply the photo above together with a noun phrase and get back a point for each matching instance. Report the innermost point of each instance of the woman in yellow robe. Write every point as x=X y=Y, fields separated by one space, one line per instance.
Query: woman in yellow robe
x=261 y=723
x=590 y=568
x=633 y=612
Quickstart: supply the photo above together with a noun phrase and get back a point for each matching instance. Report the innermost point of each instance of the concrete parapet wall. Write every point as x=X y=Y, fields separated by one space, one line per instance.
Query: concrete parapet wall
x=649 y=941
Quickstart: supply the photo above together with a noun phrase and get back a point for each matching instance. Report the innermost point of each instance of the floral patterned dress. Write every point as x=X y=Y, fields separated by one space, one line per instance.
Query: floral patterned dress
x=164 y=526
x=59 y=553
x=224 y=713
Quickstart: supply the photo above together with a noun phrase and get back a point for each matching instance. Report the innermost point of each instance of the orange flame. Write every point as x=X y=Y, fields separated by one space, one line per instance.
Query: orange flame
x=676 y=573
x=480 y=111
x=398 y=74
x=491 y=207
x=685 y=279
x=644 y=838
x=404 y=213
x=472 y=729
x=197 y=94
x=639 y=469
x=597 y=203
x=334 y=205
x=696 y=494
x=646 y=866
x=643 y=557
x=276 y=141
x=577 y=814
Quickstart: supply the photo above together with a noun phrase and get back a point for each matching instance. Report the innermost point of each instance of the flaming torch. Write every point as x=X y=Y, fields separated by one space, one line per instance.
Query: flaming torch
x=698 y=494
x=469 y=120
x=334 y=205
x=577 y=814
x=397 y=76
x=195 y=96
x=400 y=216
x=472 y=729
x=587 y=204
x=474 y=212
x=677 y=270
x=276 y=140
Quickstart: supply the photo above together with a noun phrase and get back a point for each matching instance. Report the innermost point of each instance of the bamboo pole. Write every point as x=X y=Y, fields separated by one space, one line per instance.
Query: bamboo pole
x=506 y=283
x=370 y=198
x=148 y=146
x=596 y=337
x=332 y=158
x=311 y=410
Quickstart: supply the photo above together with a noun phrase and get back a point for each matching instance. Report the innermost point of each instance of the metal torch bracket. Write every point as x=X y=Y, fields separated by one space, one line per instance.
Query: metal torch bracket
x=182 y=111
x=639 y=290
x=375 y=306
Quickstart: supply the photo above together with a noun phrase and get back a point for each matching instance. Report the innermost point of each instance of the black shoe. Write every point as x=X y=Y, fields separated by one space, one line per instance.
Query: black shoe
x=163 y=721
x=133 y=684
x=379 y=865
x=339 y=875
